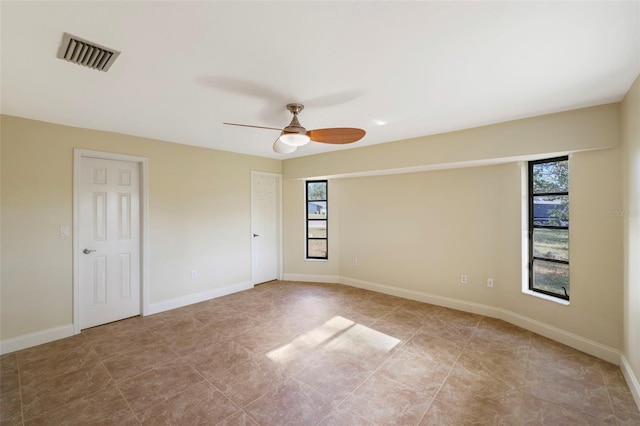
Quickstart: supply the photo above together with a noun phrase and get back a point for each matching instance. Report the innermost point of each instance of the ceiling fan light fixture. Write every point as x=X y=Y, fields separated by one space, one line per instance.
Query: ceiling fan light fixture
x=294 y=139
x=282 y=148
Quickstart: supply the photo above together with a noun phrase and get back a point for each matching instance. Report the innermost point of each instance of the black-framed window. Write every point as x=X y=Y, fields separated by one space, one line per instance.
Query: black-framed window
x=549 y=227
x=317 y=219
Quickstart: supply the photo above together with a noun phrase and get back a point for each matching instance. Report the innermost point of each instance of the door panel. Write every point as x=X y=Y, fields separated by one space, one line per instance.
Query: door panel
x=109 y=241
x=265 y=227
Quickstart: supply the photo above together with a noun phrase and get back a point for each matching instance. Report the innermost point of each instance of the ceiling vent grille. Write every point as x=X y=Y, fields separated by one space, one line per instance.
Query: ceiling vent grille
x=86 y=53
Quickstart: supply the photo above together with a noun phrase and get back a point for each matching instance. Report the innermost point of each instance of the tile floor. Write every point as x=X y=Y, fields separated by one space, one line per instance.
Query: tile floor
x=289 y=353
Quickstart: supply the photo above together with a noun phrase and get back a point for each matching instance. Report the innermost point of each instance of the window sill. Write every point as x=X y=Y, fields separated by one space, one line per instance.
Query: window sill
x=546 y=297
x=315 y=260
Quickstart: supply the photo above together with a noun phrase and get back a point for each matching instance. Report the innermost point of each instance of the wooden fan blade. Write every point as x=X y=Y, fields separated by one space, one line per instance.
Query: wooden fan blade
x=337 y=135
x=255 y=127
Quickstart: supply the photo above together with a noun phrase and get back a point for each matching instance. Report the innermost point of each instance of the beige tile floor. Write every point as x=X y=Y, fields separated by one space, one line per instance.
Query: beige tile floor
x=290 y=353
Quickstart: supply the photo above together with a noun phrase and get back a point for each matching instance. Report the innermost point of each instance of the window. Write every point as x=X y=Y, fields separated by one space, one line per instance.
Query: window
x=316 y=200
x=549 y=227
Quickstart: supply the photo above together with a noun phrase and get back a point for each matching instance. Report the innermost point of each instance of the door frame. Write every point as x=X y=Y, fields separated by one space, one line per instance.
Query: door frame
x=278 y=177
x=143 y=164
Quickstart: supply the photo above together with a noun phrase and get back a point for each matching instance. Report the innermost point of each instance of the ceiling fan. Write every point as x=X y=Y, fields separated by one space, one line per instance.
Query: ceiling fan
x=294 y=135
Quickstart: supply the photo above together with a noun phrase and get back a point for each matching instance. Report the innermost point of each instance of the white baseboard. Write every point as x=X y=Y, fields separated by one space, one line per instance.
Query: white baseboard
x=309 y=278
x=566 y=338
x=34 y=339
x=447 y=302
x=45 y=336
x=632 y=379
x=190 y=299
x=577 y=342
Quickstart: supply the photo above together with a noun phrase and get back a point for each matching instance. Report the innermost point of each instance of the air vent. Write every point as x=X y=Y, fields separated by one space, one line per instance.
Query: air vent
x=87 y=53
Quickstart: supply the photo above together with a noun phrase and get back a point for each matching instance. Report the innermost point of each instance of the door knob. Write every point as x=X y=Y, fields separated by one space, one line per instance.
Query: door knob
x=87 y=251
x=255 y=235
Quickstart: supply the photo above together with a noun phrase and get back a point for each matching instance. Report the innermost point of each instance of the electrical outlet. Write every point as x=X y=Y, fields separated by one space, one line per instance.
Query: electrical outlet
x=490 y=282
x=194 y=274
x=463 y=279
x=354 y=262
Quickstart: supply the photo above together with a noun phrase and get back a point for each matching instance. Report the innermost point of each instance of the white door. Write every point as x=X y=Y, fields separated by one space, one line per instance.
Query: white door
x=109 y=238
x=265 y=227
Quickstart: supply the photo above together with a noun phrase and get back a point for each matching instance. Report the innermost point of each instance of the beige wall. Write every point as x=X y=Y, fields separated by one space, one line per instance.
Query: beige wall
x=631 y=217
x=199 y=218
x=414 y=231
x=420 y=231
x=571 y=131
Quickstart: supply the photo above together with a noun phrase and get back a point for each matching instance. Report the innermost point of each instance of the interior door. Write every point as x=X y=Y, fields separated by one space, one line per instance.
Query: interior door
x=265 y=227
x=109 y=237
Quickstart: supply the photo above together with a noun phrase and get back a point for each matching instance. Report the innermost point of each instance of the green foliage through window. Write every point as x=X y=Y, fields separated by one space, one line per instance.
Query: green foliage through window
x=317 y=190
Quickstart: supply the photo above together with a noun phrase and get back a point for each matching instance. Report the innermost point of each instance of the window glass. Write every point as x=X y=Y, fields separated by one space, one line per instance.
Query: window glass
x=551 y=176
x=551 y=210
x=551 y=243
x=317 y=249
x=551 y=278
x=317 y=190
x=317 y=209
x=317 y=229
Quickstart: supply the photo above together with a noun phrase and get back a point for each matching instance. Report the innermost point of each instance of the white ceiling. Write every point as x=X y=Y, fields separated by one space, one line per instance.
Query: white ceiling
x=396 y=69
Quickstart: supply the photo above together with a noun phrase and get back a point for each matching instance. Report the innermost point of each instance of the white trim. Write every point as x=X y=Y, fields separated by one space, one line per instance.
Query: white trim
x=34 y=339
x=631 y=378
x=577 y=342
x=443 y=166
x=308 y=278
x=544 y=296
x=45 y=336
x=143 y=162
x=567 y=338
x=278 y=176
x=190 y=299
x=447 y=302
x=573 y=340
x=524 y=224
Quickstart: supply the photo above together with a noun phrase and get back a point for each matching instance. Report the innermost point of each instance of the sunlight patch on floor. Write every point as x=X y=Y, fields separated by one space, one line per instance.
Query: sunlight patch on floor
x=339 y=331
x=370 y=338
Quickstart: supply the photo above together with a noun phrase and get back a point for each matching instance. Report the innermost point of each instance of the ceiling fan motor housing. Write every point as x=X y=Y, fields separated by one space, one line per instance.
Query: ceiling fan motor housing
x=295 y=126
